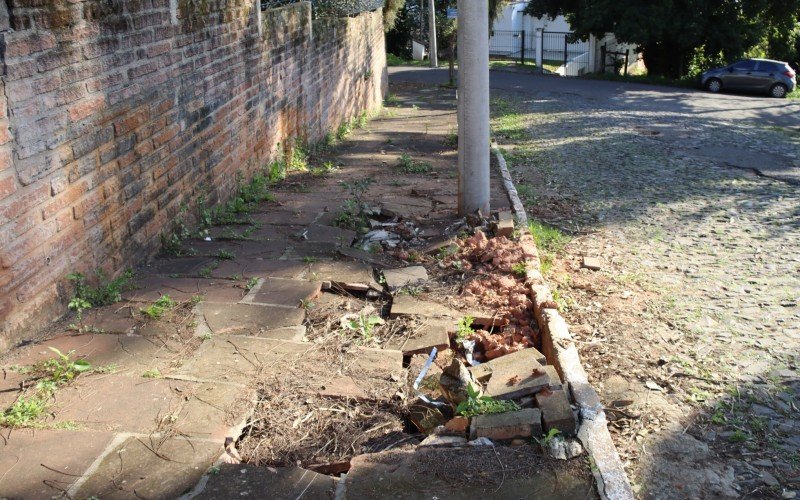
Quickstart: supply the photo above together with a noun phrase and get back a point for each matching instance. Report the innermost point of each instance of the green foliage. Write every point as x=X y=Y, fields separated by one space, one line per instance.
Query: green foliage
x=364 y=325
x=451 y=140
x=390 y=10
x=464 y=328
x=25 y=412
x=520 y=269
x=251 y=283
x=548 y=238
x=104 y=293
x=475 y=404
x=410 y=166
x=51 y=374
x=547 y=438
x=680 y=38
x=353 y=214
x=157 y=309
x=224 y=254
x=152 y=373
x=343 y=131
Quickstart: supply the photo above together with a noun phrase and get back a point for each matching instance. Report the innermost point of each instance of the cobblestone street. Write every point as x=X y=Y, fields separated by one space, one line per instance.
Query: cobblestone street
x=689 y=329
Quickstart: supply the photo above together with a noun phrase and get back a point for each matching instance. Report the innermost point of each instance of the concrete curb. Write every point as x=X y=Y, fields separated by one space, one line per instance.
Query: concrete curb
x=560 y=350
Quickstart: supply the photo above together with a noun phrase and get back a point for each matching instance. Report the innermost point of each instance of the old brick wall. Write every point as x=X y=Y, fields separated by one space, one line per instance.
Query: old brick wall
x=116 y=112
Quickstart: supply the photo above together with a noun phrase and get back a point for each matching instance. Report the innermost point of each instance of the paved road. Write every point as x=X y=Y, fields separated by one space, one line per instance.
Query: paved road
x=762 y=111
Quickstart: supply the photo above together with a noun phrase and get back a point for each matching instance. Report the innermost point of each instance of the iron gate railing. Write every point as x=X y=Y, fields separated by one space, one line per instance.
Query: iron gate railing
x=564 y=54
x=561 y=52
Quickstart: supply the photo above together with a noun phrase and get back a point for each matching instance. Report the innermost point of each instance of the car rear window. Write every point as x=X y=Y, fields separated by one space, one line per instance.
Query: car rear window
x=771 y=66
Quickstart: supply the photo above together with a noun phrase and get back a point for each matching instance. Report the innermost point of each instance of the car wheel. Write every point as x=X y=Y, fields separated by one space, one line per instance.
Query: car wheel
x=778 y=90
x=714 y=85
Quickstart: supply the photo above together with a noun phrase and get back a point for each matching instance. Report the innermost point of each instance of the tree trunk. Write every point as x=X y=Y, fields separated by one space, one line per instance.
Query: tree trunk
x=664 y=60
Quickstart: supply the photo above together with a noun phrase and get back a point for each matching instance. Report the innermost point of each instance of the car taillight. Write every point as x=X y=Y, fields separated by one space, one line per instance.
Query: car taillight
x=790 y=73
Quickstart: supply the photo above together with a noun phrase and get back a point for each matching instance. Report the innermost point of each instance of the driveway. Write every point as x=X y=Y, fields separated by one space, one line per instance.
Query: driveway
x=758 y=110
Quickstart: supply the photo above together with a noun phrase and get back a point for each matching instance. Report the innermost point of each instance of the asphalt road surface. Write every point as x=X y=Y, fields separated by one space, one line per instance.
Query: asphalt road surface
x=741 y=109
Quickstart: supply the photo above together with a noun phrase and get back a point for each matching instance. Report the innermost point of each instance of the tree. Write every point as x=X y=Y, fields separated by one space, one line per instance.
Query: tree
x=390 y=11
x=675 y=34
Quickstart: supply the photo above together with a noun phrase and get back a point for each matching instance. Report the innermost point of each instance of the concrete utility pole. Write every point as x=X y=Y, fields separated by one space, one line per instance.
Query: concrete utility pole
x=473 y=107
x=433 y=52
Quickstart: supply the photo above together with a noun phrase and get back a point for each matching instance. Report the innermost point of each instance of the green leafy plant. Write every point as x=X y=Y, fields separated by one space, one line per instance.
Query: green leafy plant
x=464 y=328
x=410 y=166
x=157 y=309
x=475 y=404
x=451 y=139
x=152 y=373
x=343 y=131
x=364 y=325
x=104 y=293
x=354 y=210
x=251 y=283
x=62 y=369
x=206 y=271
x=25 y=412
x=520 y=269
x=547 y=438
x=224 y=254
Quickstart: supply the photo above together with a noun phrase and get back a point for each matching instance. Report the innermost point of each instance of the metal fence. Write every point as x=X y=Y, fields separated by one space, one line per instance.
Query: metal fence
x=330 y=8
x=561 y=53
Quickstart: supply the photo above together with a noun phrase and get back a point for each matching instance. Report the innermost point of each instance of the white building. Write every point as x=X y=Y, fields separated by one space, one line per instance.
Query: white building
x=546 y=41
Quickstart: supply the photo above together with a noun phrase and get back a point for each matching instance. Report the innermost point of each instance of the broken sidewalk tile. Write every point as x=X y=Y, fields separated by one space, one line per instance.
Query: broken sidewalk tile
x=515 y=375
x=439 y=243
x=237 y=359
x=280 y=217
x=320 y=233
x=429 y=334
x=348 y=275
x=381 y=363
x=343 y=387
x=182 y=266
x=289 y=333
x=520 y=424
x=152 y=288
x=406 y=276
x=284 y=292
x=436 y=440
x=212 y=410
x=250 y=481
x=67 y=454
x=357 y=254
x=486 y=319
x=504 y=226
x=120 y=403
x=592 y=263
x=248 y=319
x=405 y=305
x=455 y=382
x=150 y=467
x=245 y=268
x=555 y=380
x=125 y=352
x=556 y=411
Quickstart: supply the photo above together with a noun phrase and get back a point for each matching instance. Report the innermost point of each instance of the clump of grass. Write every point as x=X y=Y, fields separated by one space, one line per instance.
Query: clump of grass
x=410 y=166
x=451 y=139
x=28 y=409
x=344 y=130
x=105 y=292
x=464 y=328
x=548 y=239
x=520 y=269
x=475 y=404
x=364 y=326
x=355 y=210
x=152 y=373
x=224 y=254
x=157 y=309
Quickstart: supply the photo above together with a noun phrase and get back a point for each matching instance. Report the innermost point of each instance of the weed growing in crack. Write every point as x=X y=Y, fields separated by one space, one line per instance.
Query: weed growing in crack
x=354 y=210
x=451 y=139
x=475 y=404
x=28 y=409
x=464 y=328
x=152 y=373
x=251 y=283
x=410 y=166
x=364 y=326
x=224 y=254
x=105 y=293
x=520 y=269
x=157 y=309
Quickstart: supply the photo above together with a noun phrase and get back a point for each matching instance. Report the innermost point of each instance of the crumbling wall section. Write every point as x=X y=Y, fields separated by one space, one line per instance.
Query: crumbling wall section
x=114 y=114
